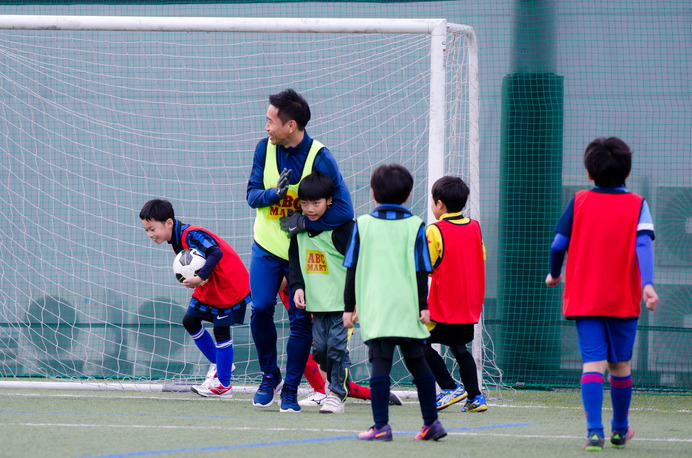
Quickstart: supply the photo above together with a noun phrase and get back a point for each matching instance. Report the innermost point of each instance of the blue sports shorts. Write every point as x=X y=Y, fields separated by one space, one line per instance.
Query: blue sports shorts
x=606 y=339
x=220 y=317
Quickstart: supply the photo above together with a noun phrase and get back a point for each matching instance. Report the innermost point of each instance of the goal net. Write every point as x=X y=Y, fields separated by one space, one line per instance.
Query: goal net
x=100 y=114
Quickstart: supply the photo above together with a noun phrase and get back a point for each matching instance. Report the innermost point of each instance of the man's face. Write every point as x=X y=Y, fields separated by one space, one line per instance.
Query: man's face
x=278 y=132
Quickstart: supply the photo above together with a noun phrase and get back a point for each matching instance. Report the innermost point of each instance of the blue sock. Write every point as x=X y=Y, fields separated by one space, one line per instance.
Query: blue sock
x=224 y=361
x=427 y=398
x=592 y=398
x=205 y=343
x=620 y=397
x=379 y=399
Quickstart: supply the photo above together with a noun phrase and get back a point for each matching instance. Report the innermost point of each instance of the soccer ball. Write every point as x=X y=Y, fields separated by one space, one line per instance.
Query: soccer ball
x=187 y=263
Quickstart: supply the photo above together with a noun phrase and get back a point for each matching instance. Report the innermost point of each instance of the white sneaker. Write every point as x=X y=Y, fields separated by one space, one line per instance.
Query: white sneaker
x=209 y=381
x=332 y=404
x=315 y=399
x=218 y=391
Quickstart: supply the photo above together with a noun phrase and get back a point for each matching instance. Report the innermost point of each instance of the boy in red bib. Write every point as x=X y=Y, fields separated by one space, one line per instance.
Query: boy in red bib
x=456 y=294
x=221 y=290
x=608 y=231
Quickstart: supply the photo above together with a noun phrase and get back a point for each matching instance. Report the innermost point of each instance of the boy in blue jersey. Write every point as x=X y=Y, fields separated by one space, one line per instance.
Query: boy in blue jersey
x=388 y=265
x=221 y=290
x=317 y=277
x=280 y=162
x=610 y=269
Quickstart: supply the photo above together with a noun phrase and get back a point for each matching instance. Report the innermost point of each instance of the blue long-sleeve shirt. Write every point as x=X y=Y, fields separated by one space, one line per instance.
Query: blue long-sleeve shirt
x=644 y=248
x=200 y=240
x=293 y=158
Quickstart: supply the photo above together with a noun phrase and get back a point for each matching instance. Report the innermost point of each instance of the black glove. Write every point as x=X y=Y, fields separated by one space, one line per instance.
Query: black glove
x=282 y=184
x=293 y=223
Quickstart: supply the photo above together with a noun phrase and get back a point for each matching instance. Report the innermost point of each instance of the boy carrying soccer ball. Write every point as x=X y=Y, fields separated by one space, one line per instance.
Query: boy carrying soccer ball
x=221 y=290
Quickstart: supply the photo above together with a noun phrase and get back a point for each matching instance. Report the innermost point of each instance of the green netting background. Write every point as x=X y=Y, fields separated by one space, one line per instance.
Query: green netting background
x=553 y=76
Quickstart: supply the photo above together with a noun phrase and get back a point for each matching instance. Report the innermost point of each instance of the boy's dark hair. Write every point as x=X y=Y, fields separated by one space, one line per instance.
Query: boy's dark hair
x=291 y=105
x=157 y=210
x=608 y=161
x=391 y=184
x=316 y=186
x=452 y=191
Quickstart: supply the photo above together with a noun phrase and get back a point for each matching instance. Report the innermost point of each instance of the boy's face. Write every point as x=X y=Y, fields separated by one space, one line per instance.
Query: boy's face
x=314 y=209
x=159 y=231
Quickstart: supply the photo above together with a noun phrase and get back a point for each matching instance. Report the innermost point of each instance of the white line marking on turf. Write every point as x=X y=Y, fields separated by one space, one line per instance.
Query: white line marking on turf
x=539 y=436
x=109 y=395
x=328 y=430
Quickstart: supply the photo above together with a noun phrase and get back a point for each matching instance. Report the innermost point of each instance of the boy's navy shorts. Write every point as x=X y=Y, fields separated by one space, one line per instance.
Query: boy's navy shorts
x=220 y=317
x=606 y=339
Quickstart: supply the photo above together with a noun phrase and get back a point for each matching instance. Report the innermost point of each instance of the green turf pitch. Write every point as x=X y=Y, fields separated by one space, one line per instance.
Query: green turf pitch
x=130 y=424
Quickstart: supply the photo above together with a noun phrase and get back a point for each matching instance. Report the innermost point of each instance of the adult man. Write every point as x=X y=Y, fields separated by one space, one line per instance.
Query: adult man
x=280 y=162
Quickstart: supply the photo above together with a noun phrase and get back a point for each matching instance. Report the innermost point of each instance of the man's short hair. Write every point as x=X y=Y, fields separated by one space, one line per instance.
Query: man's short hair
x=291 y=106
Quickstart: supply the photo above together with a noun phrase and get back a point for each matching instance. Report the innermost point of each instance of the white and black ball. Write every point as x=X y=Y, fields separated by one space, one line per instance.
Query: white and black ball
x=187 y=264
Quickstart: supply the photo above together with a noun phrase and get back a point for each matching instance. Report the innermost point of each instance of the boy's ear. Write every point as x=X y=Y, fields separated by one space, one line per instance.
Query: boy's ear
x=329 y=201
x=169 y=223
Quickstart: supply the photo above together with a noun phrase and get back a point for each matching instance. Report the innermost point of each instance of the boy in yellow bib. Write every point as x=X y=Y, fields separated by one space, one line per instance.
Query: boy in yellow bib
x=317 y=277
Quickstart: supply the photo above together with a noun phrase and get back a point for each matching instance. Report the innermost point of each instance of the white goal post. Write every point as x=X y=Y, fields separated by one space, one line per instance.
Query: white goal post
x=103 y=113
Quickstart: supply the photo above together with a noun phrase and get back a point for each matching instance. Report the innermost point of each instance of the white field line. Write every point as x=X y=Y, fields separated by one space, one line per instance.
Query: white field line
x=405 y=400
x=342 y=431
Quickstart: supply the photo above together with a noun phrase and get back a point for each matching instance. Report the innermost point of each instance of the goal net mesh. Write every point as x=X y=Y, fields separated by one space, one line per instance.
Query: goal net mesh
x=95 y=123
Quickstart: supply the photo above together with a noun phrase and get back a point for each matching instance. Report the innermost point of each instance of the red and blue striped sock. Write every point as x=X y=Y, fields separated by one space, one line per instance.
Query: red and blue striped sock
x=592 y=398
x=620 y=397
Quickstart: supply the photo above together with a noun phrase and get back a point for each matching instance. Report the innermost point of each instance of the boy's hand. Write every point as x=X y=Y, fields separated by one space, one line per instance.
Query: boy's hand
x=293 y=223
x=299 y=298
x=424 y=316
x=282 y=184
x=550 y=281
x=355 y=315
x=193 y=282
x=348 y=319
x=650 y=297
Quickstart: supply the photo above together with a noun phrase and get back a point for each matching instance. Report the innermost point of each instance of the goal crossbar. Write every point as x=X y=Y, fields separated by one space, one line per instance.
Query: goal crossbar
x=228 y=24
